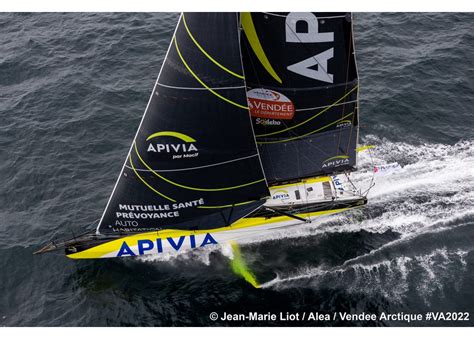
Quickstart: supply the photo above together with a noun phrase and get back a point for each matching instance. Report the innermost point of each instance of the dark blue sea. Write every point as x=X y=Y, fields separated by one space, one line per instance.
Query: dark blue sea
x=73 y=88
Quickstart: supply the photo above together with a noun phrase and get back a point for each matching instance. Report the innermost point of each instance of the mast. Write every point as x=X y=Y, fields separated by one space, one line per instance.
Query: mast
x=193 y=163
x=302 y=88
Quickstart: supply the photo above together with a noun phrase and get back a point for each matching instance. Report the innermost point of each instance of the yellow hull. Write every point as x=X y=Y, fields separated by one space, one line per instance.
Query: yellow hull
x=169 y=241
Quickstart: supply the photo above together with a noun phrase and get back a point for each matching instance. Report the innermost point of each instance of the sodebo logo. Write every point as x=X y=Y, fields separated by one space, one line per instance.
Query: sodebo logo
x=184 y=149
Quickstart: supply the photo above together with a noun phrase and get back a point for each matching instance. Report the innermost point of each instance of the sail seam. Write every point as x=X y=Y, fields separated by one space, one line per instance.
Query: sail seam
x=304 y=135
x=194 y=188
x=207 y=54
x=339 y=104
x=302 y=89
x=309 y=119
x=199 y=167
x=147 y=184
x=239 y=37
x=200 y=88
x=202 y=82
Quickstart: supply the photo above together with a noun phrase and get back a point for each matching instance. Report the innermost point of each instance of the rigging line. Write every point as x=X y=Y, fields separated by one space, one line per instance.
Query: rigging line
x=318 y=17
x=147 y=184
x=197 y=167
x=309 y=119
x=307 y=49
x=313 y=145
x=246 y=98
x=356 y=111
x=349 y=49
x=189 y=187
x=139 y=127
x=312 y=108
x=304 y=135
x=310 y=144
x=230 y=205
x=201 y=82
x=207 y=54
x=200 y=88
x=312 y=88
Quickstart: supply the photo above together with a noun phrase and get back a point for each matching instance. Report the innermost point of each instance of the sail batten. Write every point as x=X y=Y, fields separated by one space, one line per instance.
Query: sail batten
x=194 y=162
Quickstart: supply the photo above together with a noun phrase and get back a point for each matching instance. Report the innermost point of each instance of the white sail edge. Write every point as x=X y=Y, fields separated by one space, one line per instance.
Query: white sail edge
x=139 y=126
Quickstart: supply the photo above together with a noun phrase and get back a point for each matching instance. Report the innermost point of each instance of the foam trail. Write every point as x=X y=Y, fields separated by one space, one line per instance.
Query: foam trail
x=389 y=278
x=434 y=189
x=200 y=255
x=433 y=193
x=434 y=186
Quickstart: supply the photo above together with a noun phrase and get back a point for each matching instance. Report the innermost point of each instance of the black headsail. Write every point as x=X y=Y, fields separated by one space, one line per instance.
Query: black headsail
x=303 y=91
x=194 y=163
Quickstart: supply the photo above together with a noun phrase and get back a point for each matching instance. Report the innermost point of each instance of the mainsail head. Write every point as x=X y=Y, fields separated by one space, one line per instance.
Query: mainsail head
x=193 y=163
x=303 y=92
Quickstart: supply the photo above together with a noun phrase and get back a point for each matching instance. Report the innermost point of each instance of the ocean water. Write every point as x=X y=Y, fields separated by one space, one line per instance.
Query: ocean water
x=73 y=88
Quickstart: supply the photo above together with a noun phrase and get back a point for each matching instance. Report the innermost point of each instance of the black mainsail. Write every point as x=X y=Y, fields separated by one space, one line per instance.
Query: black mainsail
x=303 y=91
x=193 y=163
x=213 y=137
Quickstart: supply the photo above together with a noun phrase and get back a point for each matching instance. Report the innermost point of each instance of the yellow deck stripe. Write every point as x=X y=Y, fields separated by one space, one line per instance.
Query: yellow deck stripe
x=306 y=181
x=201 y=82
x=252 y=37
x=307 y=120
x=207 y=54
x=189 y=187
x=303 y=135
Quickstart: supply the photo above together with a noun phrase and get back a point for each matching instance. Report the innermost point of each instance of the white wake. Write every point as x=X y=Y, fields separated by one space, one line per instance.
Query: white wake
x=432 y=192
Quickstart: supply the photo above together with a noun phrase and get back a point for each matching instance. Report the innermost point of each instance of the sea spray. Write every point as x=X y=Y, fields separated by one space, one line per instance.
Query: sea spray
x=240 y=267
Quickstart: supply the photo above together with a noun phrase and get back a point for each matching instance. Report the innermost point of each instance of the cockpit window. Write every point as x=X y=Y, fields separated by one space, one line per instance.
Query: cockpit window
x=297 y=194
x=327 y=190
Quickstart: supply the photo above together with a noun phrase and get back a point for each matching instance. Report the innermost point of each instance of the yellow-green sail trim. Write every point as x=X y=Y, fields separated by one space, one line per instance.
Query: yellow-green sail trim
x=147 y=184
x=311 y=118
x=207 y=54
x=252 y=37
x=184 y=137
x=304 y=135
x=202 y=82
x=190 y=187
